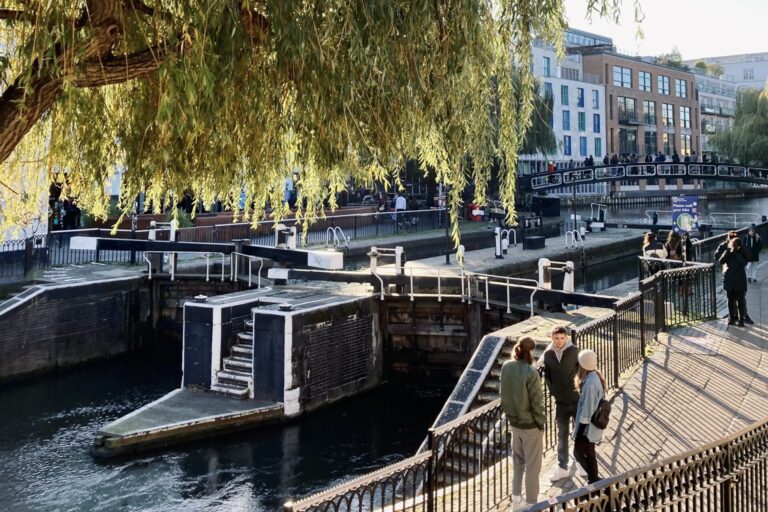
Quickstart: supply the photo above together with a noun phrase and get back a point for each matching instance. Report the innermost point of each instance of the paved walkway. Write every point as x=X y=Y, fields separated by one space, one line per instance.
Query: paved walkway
x=700 y=384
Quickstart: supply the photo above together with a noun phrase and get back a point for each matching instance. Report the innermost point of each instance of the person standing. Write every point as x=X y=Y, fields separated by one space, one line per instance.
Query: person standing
x=753 y=244
x=522 y=400
x=734 y=261
x=400 y=206
x=586 y=435
x=560 y=362
x=673 y=247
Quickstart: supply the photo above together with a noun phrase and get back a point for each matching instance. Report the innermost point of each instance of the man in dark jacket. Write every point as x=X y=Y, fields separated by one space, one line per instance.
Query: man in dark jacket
x=734 y=260
x=560 y=362
x=753 y=244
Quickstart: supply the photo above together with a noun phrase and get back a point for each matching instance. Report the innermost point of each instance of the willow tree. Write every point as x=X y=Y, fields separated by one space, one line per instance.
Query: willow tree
x=747 y=141
x=224 y=97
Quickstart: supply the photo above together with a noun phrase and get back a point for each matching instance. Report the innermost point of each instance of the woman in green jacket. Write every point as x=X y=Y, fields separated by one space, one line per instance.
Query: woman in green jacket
x=522 y=399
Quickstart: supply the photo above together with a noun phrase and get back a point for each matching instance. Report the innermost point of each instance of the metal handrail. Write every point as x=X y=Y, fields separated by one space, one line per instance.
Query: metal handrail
x=173 y=267
x=250 y=267
x=332 y=233
x=573 y=233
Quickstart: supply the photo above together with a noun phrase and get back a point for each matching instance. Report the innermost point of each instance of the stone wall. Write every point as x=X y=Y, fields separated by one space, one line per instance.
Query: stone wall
x=67 y=325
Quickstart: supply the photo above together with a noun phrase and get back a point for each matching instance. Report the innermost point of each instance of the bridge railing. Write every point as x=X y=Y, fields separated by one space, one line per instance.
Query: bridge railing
x=569 y=176
x=466 y=466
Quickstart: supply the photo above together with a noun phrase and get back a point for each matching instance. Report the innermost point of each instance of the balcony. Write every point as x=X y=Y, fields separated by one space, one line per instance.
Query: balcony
x=649 y=119
x=628 y=117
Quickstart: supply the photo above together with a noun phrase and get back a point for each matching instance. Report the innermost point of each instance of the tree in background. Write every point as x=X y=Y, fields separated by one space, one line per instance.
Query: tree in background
x=540 y=138
x=747 y=142
x=228 y=97
x=711 y=69
x=673 y=59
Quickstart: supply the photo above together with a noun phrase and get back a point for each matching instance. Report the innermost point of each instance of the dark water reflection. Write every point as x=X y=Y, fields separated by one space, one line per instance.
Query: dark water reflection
x=48 y=425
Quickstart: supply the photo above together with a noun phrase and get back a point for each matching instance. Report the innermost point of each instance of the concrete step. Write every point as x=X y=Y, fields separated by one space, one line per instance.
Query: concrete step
x=491 y=385
x=487 y=396
x=238 y=364
x=245 y=337
x=242 y=351
x=249 y=325
x=233 y=391
x=234 y=378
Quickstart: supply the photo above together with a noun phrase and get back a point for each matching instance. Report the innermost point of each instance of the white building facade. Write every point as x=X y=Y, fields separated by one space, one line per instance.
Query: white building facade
x=578 y=114
x=717 y=106
x=749 y=70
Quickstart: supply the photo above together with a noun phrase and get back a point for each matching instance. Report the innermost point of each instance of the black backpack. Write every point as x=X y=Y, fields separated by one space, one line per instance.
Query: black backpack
x=602 y=414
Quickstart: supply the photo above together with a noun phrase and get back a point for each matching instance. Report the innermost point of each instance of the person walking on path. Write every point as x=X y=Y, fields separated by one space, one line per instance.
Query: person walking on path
x=753 y=244
x=522 y=400
x=674 y=247
x=585 y=434
x=734 y=262
x=560 y=362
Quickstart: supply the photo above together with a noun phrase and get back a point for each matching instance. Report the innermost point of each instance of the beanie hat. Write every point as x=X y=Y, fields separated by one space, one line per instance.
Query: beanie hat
x=588 y=360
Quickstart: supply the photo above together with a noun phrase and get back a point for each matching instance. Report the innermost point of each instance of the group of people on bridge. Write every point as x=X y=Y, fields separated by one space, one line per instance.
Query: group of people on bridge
x=579 y=392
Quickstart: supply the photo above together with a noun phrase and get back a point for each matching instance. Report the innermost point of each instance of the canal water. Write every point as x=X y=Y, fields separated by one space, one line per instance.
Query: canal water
x=48 y=425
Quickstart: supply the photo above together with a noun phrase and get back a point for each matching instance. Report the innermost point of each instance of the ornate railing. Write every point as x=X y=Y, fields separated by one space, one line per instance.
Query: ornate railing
x=729 y=475
x=466 y=465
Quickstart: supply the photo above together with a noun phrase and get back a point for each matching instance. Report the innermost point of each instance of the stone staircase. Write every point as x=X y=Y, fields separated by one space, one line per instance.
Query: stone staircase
x=235 y=379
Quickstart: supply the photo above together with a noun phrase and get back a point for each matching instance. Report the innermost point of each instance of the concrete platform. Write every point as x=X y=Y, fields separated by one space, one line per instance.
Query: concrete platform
x=180 y=416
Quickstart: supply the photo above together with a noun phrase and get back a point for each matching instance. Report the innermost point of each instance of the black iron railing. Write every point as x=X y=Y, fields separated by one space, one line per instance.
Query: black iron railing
x=53 y=249
x=729 y=475
x=466 y=467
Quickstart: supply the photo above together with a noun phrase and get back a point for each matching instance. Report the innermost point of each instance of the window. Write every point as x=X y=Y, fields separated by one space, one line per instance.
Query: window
x=582 y=122
x=685 y=144
x=645 y=81
x=567 y=145
x=598 y=146
x=595 y=99
x=668 y=143
x=566 y=120
x=564 y=94
x=545 y=67
x=749 y=74
x=627 y=141
x=626 y=109
x=667 y=114
x=651 y=142
x=548 y=90
x=685 y=117
x=582 y=146
x=579 y=97
x=622 y=77
x=596 y=123
x=649 y=112
x=663 y=83
x=680 y=88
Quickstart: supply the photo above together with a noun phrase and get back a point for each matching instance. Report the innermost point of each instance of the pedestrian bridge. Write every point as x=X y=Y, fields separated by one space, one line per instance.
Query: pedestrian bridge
x=638 y=171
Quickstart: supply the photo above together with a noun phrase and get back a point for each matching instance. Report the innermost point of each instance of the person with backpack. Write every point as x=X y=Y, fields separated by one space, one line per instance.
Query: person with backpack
x=522 y=400
x=753 y=245
x=585 y=433
x=560 y=363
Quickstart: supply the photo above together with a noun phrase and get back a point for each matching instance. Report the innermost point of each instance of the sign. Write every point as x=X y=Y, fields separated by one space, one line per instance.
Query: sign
x=685 y=215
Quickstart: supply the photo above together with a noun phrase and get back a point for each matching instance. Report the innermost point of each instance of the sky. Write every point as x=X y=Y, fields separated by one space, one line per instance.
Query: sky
x=698 y=28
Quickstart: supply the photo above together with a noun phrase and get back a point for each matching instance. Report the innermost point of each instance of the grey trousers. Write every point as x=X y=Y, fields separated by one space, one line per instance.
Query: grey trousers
x=527 y=450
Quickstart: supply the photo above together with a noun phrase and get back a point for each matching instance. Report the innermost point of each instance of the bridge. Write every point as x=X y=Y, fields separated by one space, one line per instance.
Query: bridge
x=642 y=171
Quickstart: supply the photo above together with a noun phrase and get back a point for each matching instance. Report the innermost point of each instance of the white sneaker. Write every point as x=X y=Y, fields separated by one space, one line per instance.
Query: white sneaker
x=558 y=474
x=518 y=503
x=579 y=470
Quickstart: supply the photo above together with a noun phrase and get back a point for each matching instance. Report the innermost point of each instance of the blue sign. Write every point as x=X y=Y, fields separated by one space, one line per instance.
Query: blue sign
x=685 y=215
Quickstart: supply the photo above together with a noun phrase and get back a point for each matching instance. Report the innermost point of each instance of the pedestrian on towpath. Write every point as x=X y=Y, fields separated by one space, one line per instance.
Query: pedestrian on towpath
x=734 y=261
x=586 y=435
x=560 y=362
x=522 y=400
x=753 y=244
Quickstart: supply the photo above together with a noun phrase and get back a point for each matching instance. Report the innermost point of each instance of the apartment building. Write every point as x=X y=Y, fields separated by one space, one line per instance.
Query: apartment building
x=748 y=70
x=578 y=113
x=717 y=105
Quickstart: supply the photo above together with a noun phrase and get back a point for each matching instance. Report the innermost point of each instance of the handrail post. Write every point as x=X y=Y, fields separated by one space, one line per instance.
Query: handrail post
x=712 y=292
x=726 y=486
x=615 y=348
x=207 y=269
x=431 y=471
x=642 y=323
x=223 y=259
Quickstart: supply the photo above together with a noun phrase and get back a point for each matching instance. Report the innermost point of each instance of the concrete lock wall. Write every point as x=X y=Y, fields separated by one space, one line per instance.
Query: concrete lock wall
x=66 y=325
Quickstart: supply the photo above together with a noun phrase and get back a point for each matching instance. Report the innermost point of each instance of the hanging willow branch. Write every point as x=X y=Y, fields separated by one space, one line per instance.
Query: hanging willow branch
x=225 y=98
